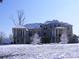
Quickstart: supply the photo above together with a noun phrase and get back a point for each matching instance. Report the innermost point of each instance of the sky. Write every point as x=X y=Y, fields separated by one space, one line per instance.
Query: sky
x=39 y=11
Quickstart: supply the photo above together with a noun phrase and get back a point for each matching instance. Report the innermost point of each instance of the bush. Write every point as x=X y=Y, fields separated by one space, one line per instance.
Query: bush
x=74 y=39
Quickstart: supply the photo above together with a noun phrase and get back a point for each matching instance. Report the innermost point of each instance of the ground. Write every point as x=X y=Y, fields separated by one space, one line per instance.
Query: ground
x=45 y=51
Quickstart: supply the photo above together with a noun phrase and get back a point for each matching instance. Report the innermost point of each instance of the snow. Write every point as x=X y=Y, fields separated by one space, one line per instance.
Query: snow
x=35 y=39
x=45 y=51
x=21 y=27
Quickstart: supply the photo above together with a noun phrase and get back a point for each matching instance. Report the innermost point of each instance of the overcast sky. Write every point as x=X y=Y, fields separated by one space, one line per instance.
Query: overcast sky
x=39 y=11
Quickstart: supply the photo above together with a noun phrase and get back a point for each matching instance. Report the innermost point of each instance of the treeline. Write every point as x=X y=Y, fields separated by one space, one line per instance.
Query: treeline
x=74 y=39
x=6 y=39
x=9 y=40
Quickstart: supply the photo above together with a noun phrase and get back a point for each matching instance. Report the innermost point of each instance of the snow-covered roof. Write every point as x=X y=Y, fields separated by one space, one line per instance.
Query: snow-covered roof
x=57 y=22
x=33 y=26
x=60 y=28
x=53 y=21
x=7 y=40
x=20 y=26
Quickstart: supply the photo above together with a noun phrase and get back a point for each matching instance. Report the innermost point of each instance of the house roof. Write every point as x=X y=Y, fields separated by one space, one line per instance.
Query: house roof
x=20 y=27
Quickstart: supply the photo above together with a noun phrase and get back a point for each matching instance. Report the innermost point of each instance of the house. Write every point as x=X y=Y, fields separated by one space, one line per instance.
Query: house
x=49 y=32
x=20 y=35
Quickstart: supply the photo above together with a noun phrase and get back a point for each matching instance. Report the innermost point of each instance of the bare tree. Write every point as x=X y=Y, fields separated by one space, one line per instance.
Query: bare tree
x=11 y=38
x=2 y=36
x=20 y=18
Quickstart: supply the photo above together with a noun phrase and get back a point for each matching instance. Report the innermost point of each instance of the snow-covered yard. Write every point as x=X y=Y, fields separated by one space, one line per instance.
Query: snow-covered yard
x=45 y=51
